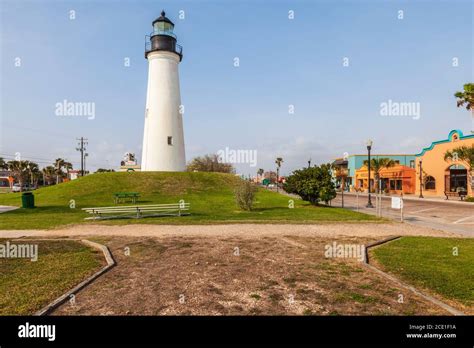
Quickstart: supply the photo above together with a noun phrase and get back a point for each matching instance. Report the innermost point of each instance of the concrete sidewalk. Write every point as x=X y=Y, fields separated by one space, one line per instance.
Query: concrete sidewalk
x=5 y=208
x=414 y=198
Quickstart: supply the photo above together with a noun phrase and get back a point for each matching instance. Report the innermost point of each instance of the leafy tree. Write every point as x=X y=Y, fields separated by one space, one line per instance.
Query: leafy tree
x=466 y=99
x=209 y=163
x=376 y=165
x=312 y=184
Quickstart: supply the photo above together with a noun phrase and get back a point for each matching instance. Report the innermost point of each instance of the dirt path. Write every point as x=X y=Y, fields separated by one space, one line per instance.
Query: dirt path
x=230 y=275
x=237 y=230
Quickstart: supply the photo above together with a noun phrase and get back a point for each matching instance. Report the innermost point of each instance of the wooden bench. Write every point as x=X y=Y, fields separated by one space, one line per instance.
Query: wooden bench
x=138 y=211
x=460 y=194
x=124 y=196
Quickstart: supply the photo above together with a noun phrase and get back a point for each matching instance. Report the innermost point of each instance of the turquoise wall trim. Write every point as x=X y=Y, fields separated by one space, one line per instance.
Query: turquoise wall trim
x=458 y=131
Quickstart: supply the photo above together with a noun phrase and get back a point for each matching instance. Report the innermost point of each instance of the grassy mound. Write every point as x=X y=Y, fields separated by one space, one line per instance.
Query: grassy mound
x=210 y=194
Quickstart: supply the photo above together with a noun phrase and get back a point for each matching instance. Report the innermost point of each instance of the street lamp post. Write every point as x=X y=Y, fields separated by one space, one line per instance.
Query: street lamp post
x=369 y=147
x=421 y=179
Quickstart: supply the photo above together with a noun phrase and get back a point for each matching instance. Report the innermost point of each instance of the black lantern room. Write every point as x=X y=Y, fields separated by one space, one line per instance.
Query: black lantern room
x=162 y=38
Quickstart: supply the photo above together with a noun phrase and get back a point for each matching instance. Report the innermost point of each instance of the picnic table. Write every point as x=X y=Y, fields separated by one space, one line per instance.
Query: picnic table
x=126 y=196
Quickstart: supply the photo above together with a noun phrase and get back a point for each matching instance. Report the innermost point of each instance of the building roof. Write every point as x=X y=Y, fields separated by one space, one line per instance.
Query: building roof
x=450 y=135
x=163 y=18
x=339 y=162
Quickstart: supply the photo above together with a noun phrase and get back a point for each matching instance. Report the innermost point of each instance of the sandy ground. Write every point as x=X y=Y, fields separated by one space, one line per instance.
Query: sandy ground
x=237 y=230
x=279 y=270
x=231 y=275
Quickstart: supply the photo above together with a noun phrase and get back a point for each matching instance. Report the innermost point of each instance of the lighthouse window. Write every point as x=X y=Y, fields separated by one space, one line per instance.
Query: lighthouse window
x=163 y=27
x=170 y=140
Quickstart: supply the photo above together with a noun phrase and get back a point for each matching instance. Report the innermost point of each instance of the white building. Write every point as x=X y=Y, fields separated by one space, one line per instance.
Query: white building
x=163 y=138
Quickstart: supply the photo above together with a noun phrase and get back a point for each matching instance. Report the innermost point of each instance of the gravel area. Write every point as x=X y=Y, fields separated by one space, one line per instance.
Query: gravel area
x=237 y=230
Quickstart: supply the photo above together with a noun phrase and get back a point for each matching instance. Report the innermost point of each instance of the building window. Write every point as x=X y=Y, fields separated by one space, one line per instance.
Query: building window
x=412 y=163
x=430 y=183
x=399 y=185
x=396 y=185
x=170 y=140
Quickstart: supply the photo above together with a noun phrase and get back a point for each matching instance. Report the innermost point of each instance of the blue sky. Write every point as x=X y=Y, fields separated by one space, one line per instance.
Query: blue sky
x=282 y=62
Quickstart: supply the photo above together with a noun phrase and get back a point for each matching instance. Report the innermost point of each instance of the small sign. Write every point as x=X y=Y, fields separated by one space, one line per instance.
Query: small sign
x=397 y=203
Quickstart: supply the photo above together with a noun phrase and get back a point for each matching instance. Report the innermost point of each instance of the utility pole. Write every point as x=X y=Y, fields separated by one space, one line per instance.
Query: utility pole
x=82 y=149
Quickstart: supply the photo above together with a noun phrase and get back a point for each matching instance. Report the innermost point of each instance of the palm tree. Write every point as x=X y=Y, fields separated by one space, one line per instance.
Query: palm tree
x=342 y=174
x=19 y=170
x=260 y=172
x=59 y=164
x=48 y=174
x=464 y=154
x=33 y=171
x=3 y=164
x=466 y=98
x=278 y=162
x=376 y=165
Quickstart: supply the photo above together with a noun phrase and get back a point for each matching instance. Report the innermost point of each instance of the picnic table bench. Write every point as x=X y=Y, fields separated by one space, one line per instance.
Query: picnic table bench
x=124 y=196
x=138 y=211
x=460 y=194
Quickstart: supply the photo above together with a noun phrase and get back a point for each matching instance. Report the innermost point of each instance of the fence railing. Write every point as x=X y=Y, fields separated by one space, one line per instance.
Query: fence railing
x=148 y=47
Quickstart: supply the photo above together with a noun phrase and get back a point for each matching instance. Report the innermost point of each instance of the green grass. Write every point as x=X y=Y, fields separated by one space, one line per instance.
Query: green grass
x=429 y=262
x=210 y=194
x=26 y=286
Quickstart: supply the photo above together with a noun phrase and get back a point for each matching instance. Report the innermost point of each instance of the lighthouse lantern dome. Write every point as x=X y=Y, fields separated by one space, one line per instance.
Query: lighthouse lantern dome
x=162 y=38
x=162 y=25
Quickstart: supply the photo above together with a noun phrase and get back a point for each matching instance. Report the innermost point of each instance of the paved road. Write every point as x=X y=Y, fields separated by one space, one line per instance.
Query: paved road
x=446 y=216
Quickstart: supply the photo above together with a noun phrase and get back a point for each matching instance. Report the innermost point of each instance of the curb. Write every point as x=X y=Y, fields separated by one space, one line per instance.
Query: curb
x=63 y=298
x=429 y=298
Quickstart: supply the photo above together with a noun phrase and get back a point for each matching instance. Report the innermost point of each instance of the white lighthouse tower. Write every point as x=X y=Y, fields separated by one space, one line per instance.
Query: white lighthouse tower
x=163 y=137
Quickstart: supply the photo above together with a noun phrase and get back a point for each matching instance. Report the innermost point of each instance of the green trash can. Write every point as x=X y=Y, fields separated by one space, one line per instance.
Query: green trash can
x=27 y=200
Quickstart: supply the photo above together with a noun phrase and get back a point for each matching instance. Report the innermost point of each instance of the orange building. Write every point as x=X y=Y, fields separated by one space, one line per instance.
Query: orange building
x=442 y=177
x=397 y=179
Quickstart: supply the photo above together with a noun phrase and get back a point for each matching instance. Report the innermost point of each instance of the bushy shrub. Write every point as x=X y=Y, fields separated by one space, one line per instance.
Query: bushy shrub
x=245 y=195
x=209 y=163
x=312 y=184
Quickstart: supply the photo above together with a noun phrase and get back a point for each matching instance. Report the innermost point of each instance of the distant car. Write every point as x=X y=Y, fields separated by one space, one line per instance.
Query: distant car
x=271 y=185
x=16 y=188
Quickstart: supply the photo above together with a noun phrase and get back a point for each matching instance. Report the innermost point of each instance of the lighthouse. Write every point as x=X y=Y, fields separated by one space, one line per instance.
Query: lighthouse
x=163 y=137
